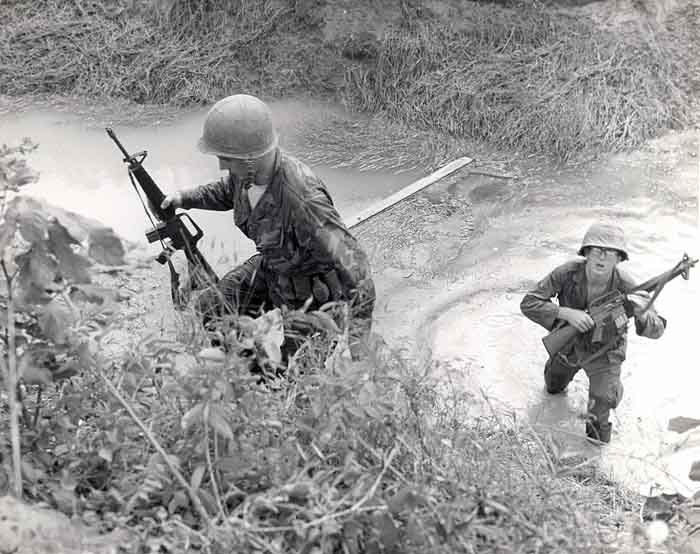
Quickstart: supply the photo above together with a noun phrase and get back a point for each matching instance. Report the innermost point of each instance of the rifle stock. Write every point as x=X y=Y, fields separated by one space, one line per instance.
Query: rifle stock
x=171 y=231
x=558 y=339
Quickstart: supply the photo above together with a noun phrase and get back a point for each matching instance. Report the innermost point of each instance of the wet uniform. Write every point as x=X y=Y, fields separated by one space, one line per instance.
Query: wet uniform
x=304 y=248
x=568 y=283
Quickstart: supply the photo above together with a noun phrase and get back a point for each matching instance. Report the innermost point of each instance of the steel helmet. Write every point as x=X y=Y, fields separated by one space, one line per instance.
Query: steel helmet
x=239 y=126
x=605 y=235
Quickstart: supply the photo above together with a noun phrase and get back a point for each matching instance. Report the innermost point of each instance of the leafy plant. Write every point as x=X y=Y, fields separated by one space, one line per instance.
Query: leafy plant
x=45 y=332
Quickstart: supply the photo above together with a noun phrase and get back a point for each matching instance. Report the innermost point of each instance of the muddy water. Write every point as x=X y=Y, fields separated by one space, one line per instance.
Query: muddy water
x=476 y=327
x=452 y=264
x=81 y=168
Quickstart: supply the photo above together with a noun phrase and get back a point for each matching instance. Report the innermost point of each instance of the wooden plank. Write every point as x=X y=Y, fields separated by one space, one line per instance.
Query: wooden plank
x=408 y=191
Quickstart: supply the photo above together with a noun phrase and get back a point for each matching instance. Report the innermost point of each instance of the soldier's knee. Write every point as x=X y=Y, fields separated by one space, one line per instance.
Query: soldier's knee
x=557 y=375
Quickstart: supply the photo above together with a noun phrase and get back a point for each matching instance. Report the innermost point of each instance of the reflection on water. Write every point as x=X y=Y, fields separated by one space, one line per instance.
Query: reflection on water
x=81 y=168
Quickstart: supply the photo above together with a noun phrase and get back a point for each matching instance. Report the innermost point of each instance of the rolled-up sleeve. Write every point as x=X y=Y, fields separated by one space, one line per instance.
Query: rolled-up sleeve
x=217 y=195
x=537 y=305
x=651 y=325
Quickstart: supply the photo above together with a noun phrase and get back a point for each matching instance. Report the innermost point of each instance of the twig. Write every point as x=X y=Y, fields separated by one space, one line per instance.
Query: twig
x=395 y=471
x=37 y=408
x=10 y=370
x=196 y=502
x=214 y=486
x=356 y=508
x=488 y=174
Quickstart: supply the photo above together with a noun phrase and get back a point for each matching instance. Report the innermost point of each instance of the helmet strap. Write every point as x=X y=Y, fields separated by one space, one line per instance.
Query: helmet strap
x=250 y=174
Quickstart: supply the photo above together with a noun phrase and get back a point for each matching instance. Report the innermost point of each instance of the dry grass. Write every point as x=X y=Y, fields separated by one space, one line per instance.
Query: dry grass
x=529 y=78
x=523 y=77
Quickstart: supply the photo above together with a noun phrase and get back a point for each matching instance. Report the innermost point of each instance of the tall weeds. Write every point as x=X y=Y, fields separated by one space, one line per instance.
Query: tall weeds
x=529 y=80
x=523 y=77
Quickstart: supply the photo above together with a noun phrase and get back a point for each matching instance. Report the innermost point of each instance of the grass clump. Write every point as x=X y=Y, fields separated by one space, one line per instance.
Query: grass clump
x=524 y=76
x=529 y=78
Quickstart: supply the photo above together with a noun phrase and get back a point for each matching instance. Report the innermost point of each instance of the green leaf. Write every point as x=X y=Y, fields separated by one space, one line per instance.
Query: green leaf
x=327 y=322
x=61 y=449
x=197 y=476
x=208 y=500
x=212 y=355
x=217 y=420
x=40 y=246
x=179 y=500
x=106 y=454
x=192 y=417
x=33 y=375
x=55 y=320
x=389 y=534
x=270 y=334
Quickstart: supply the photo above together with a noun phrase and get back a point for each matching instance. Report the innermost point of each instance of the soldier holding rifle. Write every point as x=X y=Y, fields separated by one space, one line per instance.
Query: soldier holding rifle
x=305 y=251
x=598 y=347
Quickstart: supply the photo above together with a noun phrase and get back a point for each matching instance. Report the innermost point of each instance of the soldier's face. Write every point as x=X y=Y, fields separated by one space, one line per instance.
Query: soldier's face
x=238 y=168
x=601 y=261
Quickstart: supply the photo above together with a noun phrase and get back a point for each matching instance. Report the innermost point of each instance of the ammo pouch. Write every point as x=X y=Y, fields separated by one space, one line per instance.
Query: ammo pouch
x=324 y=287
x=610 y=317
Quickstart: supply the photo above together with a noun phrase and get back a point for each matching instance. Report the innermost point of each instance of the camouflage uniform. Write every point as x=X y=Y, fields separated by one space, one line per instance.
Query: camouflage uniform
x=304 y=248
x=568 y=283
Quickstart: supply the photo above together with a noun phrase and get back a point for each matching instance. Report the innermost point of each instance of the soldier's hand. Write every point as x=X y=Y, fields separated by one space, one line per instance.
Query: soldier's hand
x=172 y=200
x=580 y=320
x=640 y=300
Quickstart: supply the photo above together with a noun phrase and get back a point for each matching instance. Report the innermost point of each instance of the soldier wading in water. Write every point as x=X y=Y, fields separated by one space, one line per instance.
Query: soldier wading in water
x=304 y=248
x=576 y=284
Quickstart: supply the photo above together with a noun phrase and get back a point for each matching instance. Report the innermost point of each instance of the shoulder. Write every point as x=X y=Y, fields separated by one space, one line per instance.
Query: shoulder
x=624 y=279
x=296 y=173
x=300 y=180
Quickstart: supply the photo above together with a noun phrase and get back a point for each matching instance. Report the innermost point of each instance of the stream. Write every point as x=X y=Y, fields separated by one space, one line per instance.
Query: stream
x=464 y=312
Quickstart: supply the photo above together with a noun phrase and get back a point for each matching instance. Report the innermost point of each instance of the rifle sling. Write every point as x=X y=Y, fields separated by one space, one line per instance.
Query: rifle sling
x=174 y=275
x=602 y=350
x=659 y=283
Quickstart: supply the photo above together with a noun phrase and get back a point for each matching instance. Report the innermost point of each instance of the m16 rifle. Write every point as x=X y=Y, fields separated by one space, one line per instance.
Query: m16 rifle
x=171 y=230
x=614 y=307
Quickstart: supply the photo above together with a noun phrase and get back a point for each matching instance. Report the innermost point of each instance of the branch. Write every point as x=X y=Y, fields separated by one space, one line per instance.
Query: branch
x=9 y=368
x=356 y=508
x=214 y=486
x=196 y=502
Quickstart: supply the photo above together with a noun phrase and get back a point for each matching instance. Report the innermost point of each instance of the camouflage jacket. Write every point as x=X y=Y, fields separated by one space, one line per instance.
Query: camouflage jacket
x=294 y=226
x=568 y=283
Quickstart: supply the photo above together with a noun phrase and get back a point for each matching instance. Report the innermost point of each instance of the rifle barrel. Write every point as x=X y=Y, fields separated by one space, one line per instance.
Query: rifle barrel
x=127 y=157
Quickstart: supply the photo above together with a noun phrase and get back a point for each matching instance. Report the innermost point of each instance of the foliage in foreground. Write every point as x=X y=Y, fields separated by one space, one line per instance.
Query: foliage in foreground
x=186 y=449
x=527 y=77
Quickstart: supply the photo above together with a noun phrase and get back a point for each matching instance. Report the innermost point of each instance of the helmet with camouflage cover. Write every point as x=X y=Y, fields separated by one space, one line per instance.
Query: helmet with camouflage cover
x=605 y=235
x=239 y=127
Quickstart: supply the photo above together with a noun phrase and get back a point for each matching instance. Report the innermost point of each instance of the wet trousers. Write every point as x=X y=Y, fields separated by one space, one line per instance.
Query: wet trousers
x=244 y=291
x=605 y=390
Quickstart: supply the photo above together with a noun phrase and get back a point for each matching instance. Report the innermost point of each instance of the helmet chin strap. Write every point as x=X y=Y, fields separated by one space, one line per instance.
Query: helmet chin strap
x=249 y=180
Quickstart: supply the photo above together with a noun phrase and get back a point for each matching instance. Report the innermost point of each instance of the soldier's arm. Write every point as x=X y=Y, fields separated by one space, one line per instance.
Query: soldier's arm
x=651 y=325
x=217 y=195
x=537 y=303
x=648 y=324
x=318 y=227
